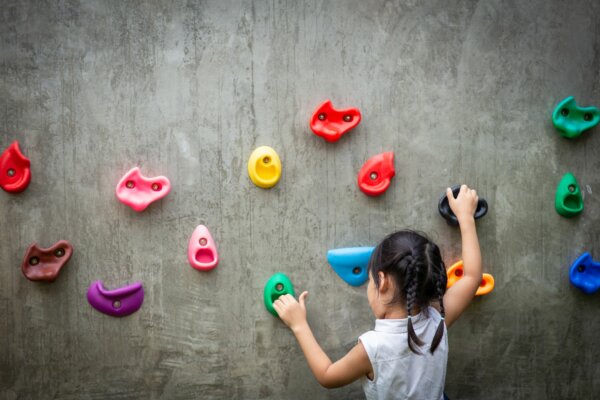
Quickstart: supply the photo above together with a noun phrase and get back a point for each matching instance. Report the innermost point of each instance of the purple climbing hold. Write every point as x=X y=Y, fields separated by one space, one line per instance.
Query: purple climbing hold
x=118 y=302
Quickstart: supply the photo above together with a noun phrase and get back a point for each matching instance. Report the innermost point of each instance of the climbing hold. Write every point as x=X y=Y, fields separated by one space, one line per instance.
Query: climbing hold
x=138 y=192
x=448 y=214
x=585 y=274
x=351 y=263
x=15 y=172
x=264 y=167
x=330 y=123
x=572 y=120
x=376 y=174
x=41 y=264
x=278 y=285
x=455 y=273
x=202 y=250
x=118 y=302
x=568 y=200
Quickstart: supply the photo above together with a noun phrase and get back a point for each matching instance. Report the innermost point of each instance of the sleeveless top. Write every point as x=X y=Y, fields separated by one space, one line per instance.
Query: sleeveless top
x=398 y=372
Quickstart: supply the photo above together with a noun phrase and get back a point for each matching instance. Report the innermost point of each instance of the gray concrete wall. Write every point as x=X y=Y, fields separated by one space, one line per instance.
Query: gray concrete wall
x=460 y=91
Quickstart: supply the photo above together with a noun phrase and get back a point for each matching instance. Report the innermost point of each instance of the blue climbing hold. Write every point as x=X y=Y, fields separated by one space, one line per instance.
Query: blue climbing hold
x=585 y=274
x=351 y=263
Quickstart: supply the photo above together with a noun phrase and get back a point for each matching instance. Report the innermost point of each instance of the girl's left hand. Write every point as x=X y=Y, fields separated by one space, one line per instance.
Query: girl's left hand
x=291 y=312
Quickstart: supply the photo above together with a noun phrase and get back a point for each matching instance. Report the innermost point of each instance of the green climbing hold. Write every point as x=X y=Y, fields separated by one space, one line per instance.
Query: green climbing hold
x=571 y=120
x=278 y=285
x=569 y=201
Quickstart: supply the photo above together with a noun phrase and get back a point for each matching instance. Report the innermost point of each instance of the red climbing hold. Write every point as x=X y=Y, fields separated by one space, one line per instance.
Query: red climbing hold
x=330 y=123
x=15 y=173
x=376 y=174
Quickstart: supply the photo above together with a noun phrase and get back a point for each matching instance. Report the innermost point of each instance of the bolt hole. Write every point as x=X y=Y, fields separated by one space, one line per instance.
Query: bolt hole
x=266 y=159
x=347 y=118
x=156 y=186
x=130 y=184
x=279 y=287
x=571 y=188
x=34 y=261
x=564 y=112
x=458 y=272
x=322 y=116
x=357 y=270
x=116 y=304
x=587 y=116
x=203 y=242
x=581 y=268
x=59 y=252
x=11 y=172
x=373 y=176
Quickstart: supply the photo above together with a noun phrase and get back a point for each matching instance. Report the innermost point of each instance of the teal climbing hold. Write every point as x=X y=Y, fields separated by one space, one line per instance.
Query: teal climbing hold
x=351 y=264
x=277 y=285
x=568 y=200
x=572 y=120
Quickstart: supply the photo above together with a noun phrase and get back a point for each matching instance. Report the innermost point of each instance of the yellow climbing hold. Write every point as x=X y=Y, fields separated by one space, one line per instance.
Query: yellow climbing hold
x=264 y=167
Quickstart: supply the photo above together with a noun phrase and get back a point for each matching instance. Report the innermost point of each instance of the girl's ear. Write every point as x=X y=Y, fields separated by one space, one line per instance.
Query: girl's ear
x=384 y=283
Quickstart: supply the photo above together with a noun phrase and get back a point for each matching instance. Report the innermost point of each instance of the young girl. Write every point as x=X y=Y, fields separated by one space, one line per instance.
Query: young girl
x=405 y=356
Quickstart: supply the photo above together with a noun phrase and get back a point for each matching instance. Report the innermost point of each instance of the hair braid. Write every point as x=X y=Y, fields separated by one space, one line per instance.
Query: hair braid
x=437 y=338
x=411 y=299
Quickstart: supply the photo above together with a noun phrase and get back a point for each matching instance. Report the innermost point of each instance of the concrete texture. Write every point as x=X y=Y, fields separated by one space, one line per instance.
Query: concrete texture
x=460 y=91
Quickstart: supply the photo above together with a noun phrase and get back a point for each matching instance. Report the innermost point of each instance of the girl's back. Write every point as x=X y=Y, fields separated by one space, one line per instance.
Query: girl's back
x=399 y=373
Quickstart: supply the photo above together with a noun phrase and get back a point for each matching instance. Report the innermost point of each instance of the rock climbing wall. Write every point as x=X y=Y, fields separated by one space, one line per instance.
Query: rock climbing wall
x=459 y=91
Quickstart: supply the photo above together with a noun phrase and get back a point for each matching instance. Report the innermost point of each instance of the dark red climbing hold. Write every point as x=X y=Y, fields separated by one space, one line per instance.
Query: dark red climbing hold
x=40 y=264
x=15 y=173
x=331 y=124
x=376 y=174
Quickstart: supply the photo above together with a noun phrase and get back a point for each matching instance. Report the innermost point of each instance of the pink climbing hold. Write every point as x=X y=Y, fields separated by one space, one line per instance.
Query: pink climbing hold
x=138 y=192
x=202 y=250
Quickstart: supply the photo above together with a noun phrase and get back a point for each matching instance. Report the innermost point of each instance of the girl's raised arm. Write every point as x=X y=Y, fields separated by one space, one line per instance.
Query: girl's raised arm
x=460 y=295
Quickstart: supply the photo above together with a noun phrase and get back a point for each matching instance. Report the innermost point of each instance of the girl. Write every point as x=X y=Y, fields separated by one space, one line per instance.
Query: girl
x=405 y=356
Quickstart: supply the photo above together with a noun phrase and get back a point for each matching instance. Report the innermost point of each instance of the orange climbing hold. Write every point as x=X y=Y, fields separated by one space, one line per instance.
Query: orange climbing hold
x=456 y=272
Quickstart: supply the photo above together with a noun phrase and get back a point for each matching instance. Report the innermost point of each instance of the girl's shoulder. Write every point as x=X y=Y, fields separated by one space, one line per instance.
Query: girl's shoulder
x=434 y=312
x=370 y=341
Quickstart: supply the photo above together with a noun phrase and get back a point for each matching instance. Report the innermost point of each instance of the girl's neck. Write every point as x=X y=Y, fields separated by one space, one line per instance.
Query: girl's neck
x=395 y=312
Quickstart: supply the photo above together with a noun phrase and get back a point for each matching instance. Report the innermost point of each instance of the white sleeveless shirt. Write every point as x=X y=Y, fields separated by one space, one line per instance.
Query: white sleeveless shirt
x=398 y=372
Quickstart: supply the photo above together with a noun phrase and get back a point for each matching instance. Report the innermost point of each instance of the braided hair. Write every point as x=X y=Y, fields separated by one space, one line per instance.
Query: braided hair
x=415 y=264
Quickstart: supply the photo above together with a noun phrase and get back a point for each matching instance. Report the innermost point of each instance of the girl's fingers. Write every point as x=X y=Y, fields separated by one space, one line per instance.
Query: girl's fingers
x=302 y=297
x=450 y=196
x=290 y=298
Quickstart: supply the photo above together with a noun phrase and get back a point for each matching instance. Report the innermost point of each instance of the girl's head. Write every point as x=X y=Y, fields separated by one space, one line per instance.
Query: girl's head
x=406 y=269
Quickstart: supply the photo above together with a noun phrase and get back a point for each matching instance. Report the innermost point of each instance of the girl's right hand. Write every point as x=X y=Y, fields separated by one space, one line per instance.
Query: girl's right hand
x=465 y=204
x=291 y=312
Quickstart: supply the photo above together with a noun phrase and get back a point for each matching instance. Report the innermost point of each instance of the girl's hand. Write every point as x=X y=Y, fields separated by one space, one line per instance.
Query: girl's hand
x=291 y=312
x=465 y=204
